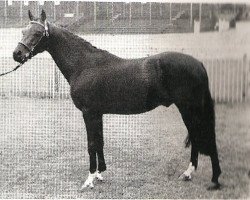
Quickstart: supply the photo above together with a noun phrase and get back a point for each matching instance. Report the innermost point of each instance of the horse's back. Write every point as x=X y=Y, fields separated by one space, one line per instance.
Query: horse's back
x=130 y=86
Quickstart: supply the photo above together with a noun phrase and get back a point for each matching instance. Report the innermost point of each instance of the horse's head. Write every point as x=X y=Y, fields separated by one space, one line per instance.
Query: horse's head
x=35 y=39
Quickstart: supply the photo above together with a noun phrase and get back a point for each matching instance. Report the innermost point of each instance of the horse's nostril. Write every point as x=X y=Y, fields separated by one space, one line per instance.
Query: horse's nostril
x=17 y=55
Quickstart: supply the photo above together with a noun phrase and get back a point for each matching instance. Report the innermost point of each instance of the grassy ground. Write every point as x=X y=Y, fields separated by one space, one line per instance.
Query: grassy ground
x=43 y=153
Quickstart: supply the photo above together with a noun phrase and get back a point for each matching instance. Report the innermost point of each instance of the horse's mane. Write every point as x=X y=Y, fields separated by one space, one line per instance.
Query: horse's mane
x=80 y=40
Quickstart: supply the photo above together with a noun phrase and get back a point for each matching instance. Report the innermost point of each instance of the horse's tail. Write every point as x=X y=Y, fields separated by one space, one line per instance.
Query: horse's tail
x=204 y=136
x=207 y=135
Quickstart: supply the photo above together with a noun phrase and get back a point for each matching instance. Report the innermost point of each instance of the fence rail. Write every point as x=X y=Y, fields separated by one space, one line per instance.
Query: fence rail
x=226 y=63
x=228 y=79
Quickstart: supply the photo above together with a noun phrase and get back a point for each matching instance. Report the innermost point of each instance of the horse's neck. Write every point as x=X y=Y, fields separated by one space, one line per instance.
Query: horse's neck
x=59 y=48
x=70 y=53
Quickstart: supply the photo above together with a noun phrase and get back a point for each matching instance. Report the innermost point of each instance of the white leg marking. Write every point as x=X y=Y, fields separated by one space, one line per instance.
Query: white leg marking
x=189 y=171
x=187 y=174
x=99 y=176
x=89 y=181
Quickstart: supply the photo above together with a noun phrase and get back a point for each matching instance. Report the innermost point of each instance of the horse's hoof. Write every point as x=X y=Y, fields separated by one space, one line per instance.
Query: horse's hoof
x=100 y=180
x=86 y=186
x=185 y=177
x=214 y=186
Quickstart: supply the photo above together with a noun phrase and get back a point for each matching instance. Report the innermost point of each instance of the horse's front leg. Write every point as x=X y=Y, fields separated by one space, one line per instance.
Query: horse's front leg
x=94 y=127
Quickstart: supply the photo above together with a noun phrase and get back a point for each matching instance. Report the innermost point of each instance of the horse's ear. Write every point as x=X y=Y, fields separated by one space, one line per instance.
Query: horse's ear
x=31 y=16
x=43 y=15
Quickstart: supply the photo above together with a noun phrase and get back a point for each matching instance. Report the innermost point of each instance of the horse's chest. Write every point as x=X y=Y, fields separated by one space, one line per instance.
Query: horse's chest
x=111 y=90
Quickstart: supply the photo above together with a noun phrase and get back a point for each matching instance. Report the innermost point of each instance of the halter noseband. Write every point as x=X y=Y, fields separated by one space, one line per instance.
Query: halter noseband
x=45 y=34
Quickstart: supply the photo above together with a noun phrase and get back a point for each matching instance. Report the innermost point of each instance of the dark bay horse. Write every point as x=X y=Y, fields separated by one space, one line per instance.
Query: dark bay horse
x=102 y=83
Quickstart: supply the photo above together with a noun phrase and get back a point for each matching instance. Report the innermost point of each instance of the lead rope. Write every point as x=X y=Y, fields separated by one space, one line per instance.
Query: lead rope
x=12 y=70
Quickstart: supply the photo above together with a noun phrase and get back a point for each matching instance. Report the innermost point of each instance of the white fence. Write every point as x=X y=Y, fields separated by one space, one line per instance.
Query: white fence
x=40 y=77
x=226 y=63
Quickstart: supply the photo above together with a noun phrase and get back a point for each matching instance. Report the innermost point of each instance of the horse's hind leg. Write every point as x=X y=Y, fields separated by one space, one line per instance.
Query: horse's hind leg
x=215 y=168
x=201 y=135
x=186 y=176
x=189 y=120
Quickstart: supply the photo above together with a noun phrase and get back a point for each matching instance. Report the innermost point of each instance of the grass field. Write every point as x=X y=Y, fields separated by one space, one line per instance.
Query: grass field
x=43 y=153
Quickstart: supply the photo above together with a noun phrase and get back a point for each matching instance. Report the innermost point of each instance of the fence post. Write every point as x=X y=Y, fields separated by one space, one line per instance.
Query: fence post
x=248 y=80
x=191 y=15
x=56 y=82
x=245 y=90
x=5 y=13
x=170 y=13
x=94 y=14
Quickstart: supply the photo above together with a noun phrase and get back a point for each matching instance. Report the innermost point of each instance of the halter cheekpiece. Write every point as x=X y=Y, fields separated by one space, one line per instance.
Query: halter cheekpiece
x=45 y=26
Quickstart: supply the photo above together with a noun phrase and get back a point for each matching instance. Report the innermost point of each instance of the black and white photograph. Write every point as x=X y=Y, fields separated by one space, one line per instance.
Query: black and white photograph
x=124 y=99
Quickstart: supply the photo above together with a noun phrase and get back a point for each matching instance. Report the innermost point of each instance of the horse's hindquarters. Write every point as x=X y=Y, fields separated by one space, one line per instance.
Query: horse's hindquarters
x=184 y=78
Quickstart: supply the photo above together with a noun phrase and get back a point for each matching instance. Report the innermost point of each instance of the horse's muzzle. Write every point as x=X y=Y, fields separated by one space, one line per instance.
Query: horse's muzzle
x=17 y=56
